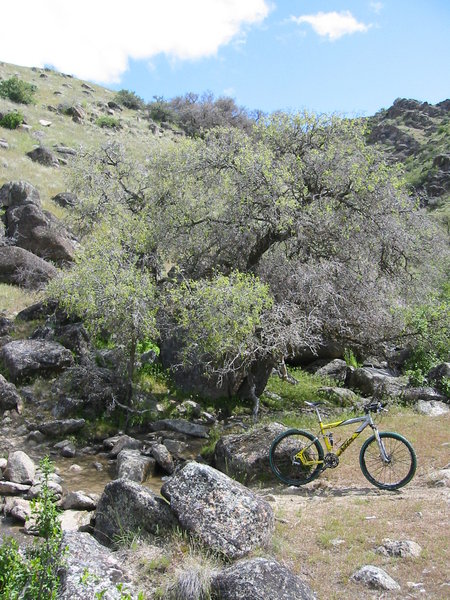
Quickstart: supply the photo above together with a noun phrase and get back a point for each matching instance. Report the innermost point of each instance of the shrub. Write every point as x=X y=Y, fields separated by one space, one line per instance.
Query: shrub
x=17 y=90
x=129 y=99
x=109 y=122
x=34 y=574
x=12 y=120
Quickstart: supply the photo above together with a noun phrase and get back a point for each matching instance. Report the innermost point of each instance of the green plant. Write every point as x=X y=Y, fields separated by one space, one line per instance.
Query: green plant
x=108 y=122
x=18 y=91
x=129 y=99
x=34 y=574
x=12 y=120
x=350 y=358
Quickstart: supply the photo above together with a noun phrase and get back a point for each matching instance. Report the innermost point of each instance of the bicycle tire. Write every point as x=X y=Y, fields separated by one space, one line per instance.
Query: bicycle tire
x=402 y=461
x=282 y=457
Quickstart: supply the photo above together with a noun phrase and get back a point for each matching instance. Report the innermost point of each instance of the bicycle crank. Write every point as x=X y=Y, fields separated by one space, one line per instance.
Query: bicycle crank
x=330 y=461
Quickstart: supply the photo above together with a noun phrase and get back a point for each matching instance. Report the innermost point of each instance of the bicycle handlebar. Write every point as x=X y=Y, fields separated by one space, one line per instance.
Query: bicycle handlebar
x=374 y=407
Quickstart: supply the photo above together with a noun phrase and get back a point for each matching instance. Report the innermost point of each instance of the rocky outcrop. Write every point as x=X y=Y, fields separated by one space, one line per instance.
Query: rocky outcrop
x=224 y=514
x=90 y=570
x=126 y=506
x=261 y=578
x=245 y=456
x=26 y=358
x=18 y=193
x=20 y=267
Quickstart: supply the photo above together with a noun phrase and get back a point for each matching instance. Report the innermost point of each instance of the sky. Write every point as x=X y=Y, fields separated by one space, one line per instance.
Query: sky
x=348 y=56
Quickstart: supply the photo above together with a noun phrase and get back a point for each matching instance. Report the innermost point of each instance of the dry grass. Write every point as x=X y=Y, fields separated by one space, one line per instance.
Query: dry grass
x=330 y=528
x=13 y=299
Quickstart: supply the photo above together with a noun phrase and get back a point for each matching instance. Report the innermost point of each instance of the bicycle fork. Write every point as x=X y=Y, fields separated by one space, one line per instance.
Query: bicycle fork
x=384 y=456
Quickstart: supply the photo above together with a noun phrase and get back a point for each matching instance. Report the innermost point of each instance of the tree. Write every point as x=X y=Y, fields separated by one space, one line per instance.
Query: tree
x=112 y=287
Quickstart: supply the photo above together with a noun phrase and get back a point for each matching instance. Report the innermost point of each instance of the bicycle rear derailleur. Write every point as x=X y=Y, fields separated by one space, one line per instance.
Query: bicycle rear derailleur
x=330 y=461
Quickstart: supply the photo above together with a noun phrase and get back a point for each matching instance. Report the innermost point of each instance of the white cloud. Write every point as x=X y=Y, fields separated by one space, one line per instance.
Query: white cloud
x=377 y=7
x=333 y=25
x=95 y=39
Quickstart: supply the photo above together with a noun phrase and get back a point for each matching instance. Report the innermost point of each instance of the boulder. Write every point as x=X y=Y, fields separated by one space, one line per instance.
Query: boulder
x=18 y=508
x=163 y=458
x=8 y=488
x=126 y=506
x=245 y=456
x=9 y=396
x=90 y=570
x=125 y=442
x=334 y=369
x=60 y=427
x=132 y=465
x=33 y=230
x=20 y=468
x=20 y=267
x=78 y=501
x=224 y=514
x=37 y=311
x=75 y=520
x=375 y=578
x=259 y=578
x=427 y=394
x=338 y=395
x=43 y=156
x=180 y=426
x=370 y=381
x=27 y=358
x=432 y=408
x=65 y=199
x=18 y=193
x=399 y=548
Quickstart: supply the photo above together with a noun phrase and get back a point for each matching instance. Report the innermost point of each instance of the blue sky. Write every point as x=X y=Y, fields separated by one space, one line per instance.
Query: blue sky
x=348 y=56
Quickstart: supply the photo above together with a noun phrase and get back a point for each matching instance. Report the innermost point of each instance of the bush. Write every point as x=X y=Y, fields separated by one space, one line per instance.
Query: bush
x=129 y=99
x=109 y=122
x=34 y=574
x=17 y=90
x=12 y=120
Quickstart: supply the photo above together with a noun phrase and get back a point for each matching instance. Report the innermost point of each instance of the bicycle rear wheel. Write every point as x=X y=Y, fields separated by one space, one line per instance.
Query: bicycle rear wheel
x=287 y=464
x=394 y=473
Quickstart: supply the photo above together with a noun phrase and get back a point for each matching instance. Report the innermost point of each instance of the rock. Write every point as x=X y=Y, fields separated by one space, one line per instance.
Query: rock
x=335 y=369
x=20 y=267
x=36 y=489
x=18 y=193
x=43 y=156
x=90 y=570
x=44 y=123
x=176 y=448
x=36 y=436
x=223 y=513
x=125 y=442
x=163 y=458
x=38 y=232
x=245 y=456
x=370 y=381
x=18 y=508
x=4 y=144
x=341 y=396
x=66 y=151
x=180 y=426
x=132 y=465
x=20 y=468
x=8 y=488
x=3 y=463
x=9 y=396
x=75 y=520
x=127 y=506
x=399 y=548
x=37 y=311
x=26 y=358
x=427 y=394
x=259 y=578
x=78 y=501
x=68 y=450
x=432 y=408
x=60 y=427
x=375 y=578
x=65 y=199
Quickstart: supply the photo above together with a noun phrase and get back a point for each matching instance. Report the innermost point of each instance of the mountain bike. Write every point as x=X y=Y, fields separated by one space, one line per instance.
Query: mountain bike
x=386 y=459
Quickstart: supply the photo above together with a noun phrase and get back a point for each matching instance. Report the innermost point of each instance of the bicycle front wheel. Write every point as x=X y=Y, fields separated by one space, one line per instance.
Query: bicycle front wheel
x=397 y=470
x=296 y=457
